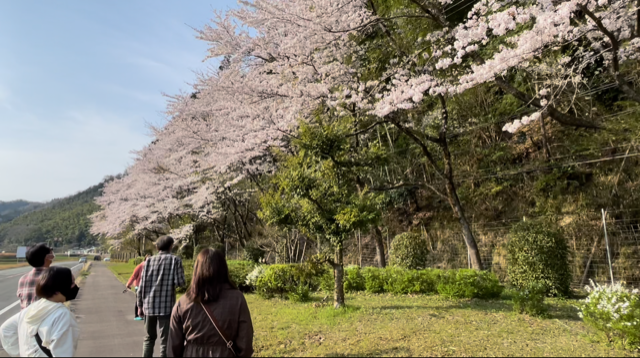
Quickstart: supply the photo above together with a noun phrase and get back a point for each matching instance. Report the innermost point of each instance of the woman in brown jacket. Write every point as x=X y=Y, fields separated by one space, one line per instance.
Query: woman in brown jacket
x=211 y=313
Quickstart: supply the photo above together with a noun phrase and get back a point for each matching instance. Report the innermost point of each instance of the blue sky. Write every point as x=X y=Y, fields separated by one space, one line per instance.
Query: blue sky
x=79 y=81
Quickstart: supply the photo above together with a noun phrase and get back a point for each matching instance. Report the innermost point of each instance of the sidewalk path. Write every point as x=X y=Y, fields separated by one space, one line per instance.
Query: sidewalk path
x=105 y=316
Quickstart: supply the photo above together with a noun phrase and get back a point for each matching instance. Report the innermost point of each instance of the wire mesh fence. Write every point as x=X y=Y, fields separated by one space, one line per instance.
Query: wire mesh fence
x=588 y=237
x=600 y=250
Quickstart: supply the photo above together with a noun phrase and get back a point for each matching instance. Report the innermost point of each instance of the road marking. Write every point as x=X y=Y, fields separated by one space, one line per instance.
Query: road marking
x=10 y=307
x=18 y=302
x=76 y=266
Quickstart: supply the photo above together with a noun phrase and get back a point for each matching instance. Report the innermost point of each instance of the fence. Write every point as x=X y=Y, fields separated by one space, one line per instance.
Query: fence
x=585 y=233
x=123 y=256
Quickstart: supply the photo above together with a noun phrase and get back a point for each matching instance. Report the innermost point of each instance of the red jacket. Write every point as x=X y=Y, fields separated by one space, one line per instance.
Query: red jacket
x=137 y=275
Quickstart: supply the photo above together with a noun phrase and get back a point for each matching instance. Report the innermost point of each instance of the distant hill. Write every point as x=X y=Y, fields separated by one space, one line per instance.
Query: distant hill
x=10 y=210
x=65 y=219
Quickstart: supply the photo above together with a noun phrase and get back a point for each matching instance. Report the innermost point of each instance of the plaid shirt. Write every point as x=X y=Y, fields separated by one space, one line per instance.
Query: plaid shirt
x=27 y=287
x=161 y=275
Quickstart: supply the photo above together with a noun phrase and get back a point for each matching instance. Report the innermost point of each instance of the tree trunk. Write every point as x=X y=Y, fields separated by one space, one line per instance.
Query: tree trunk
x=469 y=239
x=452 y=193
x=380 y=257
x=338 y=275
x=545 y=143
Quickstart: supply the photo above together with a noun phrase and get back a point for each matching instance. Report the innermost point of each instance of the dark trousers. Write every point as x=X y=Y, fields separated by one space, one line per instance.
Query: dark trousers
x=136 y=310
x=151 y=325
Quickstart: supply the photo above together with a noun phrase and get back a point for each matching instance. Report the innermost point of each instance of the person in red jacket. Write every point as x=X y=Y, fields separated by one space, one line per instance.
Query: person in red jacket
x=134 y=281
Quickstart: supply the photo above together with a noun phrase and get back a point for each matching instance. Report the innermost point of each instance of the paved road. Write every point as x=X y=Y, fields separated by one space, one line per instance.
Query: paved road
x=105 y=316
x=9 y=304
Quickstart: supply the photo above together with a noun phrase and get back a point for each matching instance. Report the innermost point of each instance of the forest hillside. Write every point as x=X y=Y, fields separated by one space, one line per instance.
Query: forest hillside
x=63 y=221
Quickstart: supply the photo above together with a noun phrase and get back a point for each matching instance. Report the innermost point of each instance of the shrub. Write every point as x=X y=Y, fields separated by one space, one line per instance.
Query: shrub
x=403 y=282
x=327 y=282
x=615 y=311
x=287 y=280
x=530 y=300
x=252 y=278
x=137 y=261
x=300 y=294
x=469 y=284
x=409 y=251
x=253 y=253
x=374 y=280
x=353 y=279
x=538 y=255
x=187 y=265
x=238 y=272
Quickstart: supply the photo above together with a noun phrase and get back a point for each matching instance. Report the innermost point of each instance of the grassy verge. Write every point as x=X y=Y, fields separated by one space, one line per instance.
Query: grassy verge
x=383 y=325
x=387 y=325
x=8 y=265
x=122 y=270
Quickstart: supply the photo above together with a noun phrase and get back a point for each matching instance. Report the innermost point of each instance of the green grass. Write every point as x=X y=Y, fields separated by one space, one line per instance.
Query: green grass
x=122 y=270
x=385 y=325
x=388 y=325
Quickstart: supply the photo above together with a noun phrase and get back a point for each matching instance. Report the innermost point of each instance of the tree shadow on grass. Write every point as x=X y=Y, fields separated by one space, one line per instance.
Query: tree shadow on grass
x=494 y=306
x=394 y=351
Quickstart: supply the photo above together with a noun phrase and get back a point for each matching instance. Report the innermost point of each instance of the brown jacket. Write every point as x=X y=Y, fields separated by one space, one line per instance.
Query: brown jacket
x=193 y=335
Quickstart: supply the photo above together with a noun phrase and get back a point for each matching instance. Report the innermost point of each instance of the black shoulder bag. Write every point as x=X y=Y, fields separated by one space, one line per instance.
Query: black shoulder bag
x=42 y=348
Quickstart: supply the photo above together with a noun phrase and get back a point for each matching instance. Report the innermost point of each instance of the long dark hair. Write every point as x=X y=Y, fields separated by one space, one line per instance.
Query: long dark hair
x=210 y=277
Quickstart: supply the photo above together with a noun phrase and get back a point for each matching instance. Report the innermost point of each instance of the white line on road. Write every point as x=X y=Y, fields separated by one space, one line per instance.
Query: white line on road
x=18 y=302
x=10 y=307
x=76 y=266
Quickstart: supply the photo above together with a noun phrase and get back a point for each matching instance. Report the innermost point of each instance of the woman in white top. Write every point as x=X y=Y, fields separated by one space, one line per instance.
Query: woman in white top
x=46 y=328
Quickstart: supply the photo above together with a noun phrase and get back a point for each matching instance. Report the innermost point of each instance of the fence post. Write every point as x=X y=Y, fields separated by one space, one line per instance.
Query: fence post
x=606 y=239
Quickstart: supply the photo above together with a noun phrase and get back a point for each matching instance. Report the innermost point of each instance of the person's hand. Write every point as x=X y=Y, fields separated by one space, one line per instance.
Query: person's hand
x=128 y=287
x=140 y=312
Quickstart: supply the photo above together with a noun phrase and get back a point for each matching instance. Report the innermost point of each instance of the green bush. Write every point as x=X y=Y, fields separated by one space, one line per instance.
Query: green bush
x=353 y=279
x=254 y=276
x=238 y=272
x=288 y=280
x=537 y=255
x=137 y=261
x=187 y=265
x=327 y=283
x=530 y=300
x=253 y=253
x=409 y=251
x=300 y=294
x=469 y=284
x=403 y=282
x=374 y=280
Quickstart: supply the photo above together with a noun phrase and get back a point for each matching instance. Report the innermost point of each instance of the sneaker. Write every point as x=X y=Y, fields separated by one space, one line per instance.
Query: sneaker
x=138 y=319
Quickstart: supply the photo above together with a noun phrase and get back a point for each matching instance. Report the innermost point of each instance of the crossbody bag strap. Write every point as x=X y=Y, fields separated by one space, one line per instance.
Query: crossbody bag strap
x=213 y=320
x=42 y=348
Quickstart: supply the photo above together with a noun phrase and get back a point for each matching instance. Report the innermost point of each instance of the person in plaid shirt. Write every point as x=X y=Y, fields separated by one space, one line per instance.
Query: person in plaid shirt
x=156 y=296
x=40 y=258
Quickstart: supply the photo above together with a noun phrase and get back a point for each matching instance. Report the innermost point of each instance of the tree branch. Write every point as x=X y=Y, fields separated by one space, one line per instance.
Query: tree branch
x=615 y=47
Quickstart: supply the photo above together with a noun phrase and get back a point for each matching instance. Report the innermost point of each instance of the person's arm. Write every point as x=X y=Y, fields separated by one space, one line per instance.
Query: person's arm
x=140 y=294
x=244 y=340
x=179 y=278
x=132 y=278
x=176 y=333
x=9 y=336
x=135 y=276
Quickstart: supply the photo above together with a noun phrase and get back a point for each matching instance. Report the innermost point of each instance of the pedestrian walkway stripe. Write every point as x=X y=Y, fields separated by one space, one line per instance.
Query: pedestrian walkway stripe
x=10 y=307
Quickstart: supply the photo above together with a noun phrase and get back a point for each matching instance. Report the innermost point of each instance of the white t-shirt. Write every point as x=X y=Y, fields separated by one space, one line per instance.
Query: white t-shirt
x=55 y=324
